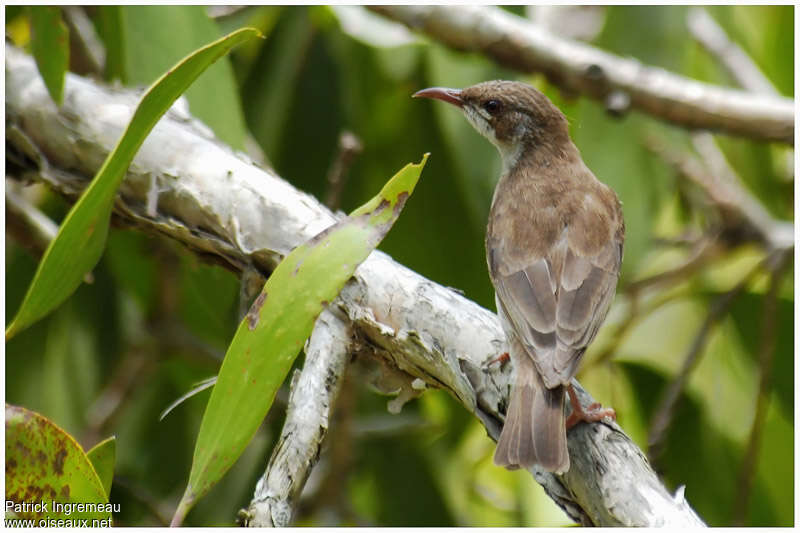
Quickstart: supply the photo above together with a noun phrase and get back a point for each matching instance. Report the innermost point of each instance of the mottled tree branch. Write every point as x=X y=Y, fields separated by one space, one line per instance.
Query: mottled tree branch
x=311 y=401
x=620 y=83
x=228 y=210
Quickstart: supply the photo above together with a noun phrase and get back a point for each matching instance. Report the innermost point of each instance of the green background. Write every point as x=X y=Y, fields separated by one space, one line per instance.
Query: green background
x=157 y=319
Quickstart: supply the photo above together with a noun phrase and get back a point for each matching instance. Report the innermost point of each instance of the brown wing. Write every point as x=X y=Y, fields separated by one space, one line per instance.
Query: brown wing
x=557 y=303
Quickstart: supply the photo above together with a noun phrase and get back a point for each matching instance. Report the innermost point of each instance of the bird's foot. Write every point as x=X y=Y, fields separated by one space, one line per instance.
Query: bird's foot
x=503 y=358
x=593 y=413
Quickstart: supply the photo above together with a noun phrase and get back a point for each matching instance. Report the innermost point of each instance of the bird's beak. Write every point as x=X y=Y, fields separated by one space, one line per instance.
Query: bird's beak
x=451 y=96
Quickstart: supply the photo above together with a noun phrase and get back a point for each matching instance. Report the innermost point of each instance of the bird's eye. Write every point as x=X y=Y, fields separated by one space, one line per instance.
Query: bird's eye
x=492 y=106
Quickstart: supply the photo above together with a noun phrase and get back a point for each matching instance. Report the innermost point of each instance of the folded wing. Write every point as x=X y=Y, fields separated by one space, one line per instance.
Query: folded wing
x=557 y=303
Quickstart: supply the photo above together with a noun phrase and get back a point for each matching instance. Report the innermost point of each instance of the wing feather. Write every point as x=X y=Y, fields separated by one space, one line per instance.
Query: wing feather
x=556 y=304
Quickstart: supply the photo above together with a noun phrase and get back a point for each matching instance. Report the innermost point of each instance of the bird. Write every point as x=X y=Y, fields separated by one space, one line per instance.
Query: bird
x=554 y=244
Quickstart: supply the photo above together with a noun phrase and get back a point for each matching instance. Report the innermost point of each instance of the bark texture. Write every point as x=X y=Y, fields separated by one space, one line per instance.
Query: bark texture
x=187 y=186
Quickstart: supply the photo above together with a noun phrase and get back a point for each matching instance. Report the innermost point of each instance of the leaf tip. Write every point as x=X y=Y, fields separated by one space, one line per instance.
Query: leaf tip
x=11 y=330
x=255 y=32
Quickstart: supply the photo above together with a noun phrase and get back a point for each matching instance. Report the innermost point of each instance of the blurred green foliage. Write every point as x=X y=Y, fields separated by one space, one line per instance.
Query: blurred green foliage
x=157 y=319
x=50 y=47
x=81 y=238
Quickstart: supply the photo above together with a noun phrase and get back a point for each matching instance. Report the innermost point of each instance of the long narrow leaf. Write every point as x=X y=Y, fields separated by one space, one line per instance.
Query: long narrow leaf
x=82 y=236
x=281 y=319
x=151 y=43
x=50 y=47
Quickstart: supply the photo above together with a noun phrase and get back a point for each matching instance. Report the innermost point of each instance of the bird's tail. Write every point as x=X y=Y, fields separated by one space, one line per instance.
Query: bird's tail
x=535 y=430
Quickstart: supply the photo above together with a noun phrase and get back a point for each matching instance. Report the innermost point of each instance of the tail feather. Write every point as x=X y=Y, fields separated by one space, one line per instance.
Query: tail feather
x=535 y=430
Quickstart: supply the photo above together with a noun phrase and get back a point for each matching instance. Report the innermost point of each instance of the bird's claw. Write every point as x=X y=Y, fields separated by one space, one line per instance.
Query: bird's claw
x=594 y=413
x=503 y=358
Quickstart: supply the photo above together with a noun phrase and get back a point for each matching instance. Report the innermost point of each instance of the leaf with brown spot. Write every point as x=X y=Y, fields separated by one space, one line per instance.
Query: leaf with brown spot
x=47 y=464
x=268 y=340
x=255 y=310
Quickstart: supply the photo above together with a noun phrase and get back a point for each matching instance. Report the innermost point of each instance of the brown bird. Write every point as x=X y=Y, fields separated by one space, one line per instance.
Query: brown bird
x=554 y=247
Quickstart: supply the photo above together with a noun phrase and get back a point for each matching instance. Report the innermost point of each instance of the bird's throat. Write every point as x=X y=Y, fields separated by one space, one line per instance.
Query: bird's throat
x=510 y=155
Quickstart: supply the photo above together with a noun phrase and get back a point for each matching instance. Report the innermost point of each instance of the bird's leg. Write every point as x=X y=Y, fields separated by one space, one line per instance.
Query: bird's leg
x=502 y=359
x=594 y=413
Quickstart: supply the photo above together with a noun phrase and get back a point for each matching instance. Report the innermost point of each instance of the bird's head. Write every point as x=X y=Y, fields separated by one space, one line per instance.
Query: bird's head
x=514 y=116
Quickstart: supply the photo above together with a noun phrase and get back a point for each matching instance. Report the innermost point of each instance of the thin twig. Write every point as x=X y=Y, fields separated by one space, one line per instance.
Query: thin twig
x=724 y=191
x=33 y=229
x=138 y=493
x=136 y=364
x=766 y=357
x=665 y=410
x=705 y=250
x=727 y=190
x=689 y=237
x=30 y=227
x=348 y=149
x=636 y=313
x=620 y=83
x=708 y=33
x=87 y=53
x=735 y=60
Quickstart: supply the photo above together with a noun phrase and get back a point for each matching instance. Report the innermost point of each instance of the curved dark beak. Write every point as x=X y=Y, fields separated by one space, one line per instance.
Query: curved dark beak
x=451 y=96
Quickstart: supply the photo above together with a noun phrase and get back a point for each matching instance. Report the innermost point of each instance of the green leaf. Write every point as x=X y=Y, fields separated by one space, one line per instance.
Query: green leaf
x=103 y=456
x=269 y=104
x=44 y=464
x=110 y=30
x=81 y=238
x=691 y=437
x=747 y=313
x=281 y=319
x=69 y=381
x=156 y=36
x=12 y=12
x=50 y=46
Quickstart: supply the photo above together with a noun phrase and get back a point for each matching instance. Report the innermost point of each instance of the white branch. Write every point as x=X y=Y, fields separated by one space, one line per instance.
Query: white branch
x=311 y=402
x=217 y=203
x=705 y=29
x=581 y=68
x=38 y=227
